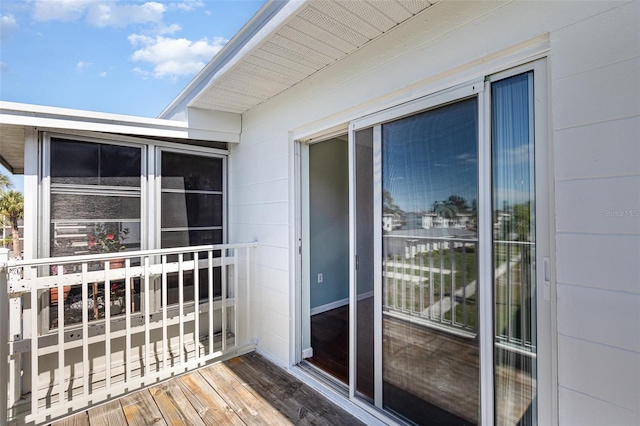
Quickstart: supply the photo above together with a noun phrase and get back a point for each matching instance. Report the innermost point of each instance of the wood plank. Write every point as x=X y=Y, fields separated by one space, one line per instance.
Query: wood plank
x=141 y=410
x=80 y=419
x=107 y=414
x=174 y=405
x=299 y=402
x=209 y=405
x=250 y=408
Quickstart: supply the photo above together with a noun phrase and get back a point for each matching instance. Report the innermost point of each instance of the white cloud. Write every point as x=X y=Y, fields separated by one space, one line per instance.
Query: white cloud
x=8 y=26
x=103 y=74
x=99 y=13
x=187 y=5
x=3 y=67
x=112 y=15
x=164 y=29
x=173 y=57
x=62 y=10
x=80 y=66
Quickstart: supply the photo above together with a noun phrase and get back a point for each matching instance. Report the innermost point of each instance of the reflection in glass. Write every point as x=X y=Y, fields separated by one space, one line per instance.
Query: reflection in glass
x=430 y=192
x=514 y=250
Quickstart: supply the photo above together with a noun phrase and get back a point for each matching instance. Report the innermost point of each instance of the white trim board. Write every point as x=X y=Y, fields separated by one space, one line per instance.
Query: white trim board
x=338 y=303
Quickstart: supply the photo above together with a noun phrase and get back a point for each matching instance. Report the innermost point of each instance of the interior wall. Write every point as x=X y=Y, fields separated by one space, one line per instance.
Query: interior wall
x=329 y=223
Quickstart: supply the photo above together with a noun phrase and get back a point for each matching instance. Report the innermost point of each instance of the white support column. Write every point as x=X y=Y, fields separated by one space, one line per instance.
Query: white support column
x=4 y=335
x=15 y=332
x=30 y=232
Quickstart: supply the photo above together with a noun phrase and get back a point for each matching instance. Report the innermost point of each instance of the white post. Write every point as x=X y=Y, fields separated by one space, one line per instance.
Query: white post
x=4 y=335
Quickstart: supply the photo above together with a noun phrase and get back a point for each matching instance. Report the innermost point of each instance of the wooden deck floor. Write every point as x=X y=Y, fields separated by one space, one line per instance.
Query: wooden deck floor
x=246 y=390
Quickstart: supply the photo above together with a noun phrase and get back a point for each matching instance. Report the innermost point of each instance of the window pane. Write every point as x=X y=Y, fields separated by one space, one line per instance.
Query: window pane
x=120 y=165
x=514 y=250
x=181 y=210
x=191 y=238
x=429 y=207
x=191 y=172
x=98 y=207
x=74 y=162
x=85 y=163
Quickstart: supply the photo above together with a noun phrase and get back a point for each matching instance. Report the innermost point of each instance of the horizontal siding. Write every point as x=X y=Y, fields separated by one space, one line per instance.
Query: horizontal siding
x=593 y=411
x=595 y=370
x=590 y=157
x=596 y=118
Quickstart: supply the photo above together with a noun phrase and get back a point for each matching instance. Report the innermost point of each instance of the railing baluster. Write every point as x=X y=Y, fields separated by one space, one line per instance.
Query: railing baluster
x=525 y=271
x=165 y=346
x=452 y=274
x=107 y=323
x=421 y=282
x=210 y=288
x=441 y=297
x=509 y=321
x=181 y=307
x=196 y=304
x=223 y=297
x=248 y=288
x=146 y=316
x=236 y=298
x=61 y=396
x=127 y=299
x=412 y=297
x=35 y=355
x=85 y=332
x=431 y=282
x=403 y=287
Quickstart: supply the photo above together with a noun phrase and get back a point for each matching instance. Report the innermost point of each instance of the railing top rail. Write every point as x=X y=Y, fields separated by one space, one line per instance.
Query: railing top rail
x=523 y=243
x=461 y=239
x=125 y=254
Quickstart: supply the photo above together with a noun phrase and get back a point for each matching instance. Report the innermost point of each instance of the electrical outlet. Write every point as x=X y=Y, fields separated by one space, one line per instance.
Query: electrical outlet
x=320 y=278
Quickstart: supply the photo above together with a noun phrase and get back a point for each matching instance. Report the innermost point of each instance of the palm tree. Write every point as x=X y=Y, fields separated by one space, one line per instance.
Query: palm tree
x=445 y=210
x=12 y=207
x=5 y=182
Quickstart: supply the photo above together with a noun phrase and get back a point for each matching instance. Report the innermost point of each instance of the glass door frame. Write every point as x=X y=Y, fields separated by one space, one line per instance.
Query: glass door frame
x=481 y=89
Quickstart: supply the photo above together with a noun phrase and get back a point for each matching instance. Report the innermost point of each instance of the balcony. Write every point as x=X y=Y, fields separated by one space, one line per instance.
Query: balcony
x=84 y=330
x=242 y=390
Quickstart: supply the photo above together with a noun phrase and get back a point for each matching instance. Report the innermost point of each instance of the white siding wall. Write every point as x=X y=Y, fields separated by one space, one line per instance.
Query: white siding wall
x=596 y=123
x=595 y=120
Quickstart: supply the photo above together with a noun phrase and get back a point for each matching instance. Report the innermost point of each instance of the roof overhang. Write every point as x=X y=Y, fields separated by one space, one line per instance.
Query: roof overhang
x=16 y=117
x=285 y=43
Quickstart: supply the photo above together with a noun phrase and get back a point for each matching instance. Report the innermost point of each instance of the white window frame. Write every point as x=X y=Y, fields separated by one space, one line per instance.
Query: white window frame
x=157 y=217
x=150 y=190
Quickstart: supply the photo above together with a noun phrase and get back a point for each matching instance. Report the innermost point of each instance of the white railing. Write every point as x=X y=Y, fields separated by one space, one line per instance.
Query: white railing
x=119 y=322
x=432 y=281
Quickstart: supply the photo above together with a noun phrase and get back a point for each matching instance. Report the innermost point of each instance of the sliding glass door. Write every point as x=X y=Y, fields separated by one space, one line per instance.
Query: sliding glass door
x=430 y=355
x=446 y=255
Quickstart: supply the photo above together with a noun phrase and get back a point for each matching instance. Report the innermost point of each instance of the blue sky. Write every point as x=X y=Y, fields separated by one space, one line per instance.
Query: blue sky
x=125 y=57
